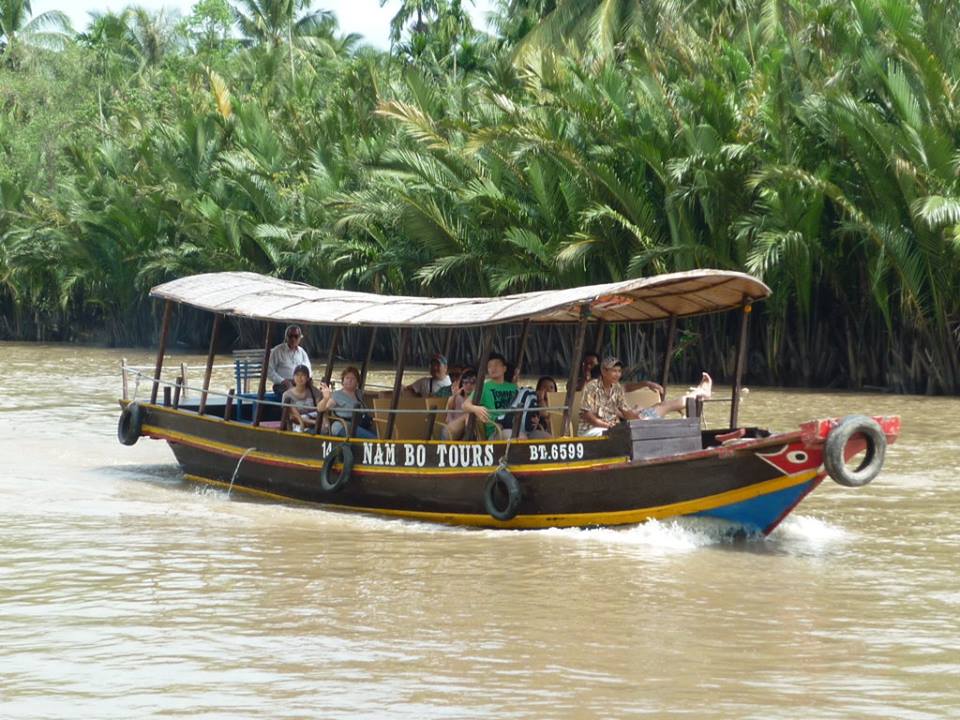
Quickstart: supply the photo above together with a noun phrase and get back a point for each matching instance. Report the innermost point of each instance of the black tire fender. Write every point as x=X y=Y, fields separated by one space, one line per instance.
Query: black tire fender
x=837 y=439
x=341 y=452
x=130 y=425
x=499 y=485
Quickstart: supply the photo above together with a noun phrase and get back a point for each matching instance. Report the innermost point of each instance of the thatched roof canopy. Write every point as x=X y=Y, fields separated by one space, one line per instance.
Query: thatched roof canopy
x=260 y=297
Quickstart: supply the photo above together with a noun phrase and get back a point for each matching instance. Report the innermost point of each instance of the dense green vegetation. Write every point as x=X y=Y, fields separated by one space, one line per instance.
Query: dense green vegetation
x=811 y=142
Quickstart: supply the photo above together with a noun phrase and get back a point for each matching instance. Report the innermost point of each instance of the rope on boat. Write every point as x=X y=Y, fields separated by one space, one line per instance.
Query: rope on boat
x=506 y=482
x=506 y=452
x=236 y=470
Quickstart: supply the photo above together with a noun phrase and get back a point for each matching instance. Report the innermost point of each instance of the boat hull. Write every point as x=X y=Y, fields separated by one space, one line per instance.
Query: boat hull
x=564 y=482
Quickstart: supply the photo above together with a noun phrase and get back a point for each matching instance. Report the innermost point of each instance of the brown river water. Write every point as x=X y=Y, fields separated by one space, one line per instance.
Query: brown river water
x=126 y=592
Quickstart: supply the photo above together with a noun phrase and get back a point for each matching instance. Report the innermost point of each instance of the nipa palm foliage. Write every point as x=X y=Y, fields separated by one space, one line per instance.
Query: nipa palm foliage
x=810 y=142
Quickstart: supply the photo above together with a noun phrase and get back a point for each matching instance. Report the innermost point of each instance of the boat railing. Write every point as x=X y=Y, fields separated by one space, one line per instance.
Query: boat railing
x=223 y=366
x=185 y=369
x=172 y=385
x=172 y=395
x=174 y=392
x=138 y=371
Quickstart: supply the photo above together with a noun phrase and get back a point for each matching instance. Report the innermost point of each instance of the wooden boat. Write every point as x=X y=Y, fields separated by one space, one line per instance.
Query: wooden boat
x=639 y=470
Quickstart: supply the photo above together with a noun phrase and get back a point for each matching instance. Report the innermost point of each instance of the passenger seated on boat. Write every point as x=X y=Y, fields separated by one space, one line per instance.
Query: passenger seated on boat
x=455 y=373
x=302 y=398
x=538 y=423
x=456 y=420
x=589 y=369
x=604 y=405
x=284 y=358
x=436 y=384
x=497 y=396
x=348 y=398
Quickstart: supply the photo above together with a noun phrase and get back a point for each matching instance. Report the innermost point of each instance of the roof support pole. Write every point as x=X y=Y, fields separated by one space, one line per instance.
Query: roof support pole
x=208 y=371
x=262 y=386
x=398 y=380
x=368 y=358
x=447 y=343
x=486 y=347
x=598 y=340
x=363 y=378
x=332 y=355
x=228 y=408
x=574 y=370
x=328 y=373
x=521 y=350
x=164 y=328
x=668 y=355
x=518 y=363
x=741 y=365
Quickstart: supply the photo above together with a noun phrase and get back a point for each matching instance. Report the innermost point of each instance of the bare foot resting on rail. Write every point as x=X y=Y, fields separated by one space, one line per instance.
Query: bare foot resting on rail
x=703 y=390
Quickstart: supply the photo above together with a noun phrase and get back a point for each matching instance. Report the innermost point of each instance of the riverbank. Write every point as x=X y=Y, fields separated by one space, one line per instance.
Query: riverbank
x=463 y=350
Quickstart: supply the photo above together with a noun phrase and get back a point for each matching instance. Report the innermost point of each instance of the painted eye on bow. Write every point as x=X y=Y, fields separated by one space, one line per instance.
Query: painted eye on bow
x=797 y=456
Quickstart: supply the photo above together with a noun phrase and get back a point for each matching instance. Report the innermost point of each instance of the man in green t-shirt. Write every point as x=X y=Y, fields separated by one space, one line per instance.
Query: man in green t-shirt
x=497 y=395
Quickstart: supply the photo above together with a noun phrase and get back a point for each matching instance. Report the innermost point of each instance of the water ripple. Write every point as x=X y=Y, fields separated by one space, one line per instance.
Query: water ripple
x=127 y=592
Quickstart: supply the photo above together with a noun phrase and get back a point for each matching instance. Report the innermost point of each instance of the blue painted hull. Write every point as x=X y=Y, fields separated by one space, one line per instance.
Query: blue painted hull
x=762 y=514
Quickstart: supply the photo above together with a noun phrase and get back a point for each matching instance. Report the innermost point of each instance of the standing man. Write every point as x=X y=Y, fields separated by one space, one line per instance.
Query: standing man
x=437 y=383
x=284 y=358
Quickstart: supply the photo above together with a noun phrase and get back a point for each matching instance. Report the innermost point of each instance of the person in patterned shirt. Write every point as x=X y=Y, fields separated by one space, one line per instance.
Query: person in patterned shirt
x=604 y=405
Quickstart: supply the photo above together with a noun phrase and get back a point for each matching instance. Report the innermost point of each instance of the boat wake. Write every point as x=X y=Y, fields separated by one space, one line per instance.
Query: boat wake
x=798 y=534
x=810 y=533
x=674 y=535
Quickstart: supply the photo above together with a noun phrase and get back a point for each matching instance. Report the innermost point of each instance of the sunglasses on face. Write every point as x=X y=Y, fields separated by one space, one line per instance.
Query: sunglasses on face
x=293 y=335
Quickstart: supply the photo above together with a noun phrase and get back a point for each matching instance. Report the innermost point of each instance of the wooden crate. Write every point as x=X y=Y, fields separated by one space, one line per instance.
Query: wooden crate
x=658 y=438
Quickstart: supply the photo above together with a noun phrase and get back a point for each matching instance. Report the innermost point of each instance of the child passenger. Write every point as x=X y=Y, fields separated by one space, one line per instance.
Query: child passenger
x=302 y=398
x=538 y=423
x=497 y=396
x=456 y=420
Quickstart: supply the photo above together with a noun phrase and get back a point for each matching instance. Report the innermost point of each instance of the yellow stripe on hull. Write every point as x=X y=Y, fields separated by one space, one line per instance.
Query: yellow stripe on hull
x=532 y=522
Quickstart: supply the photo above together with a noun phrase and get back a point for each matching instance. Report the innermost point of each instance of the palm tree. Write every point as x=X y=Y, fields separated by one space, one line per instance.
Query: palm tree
x=595 y=26
x=18 y=31
x=134 y=36
x=278 y=23
x=421 y=11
